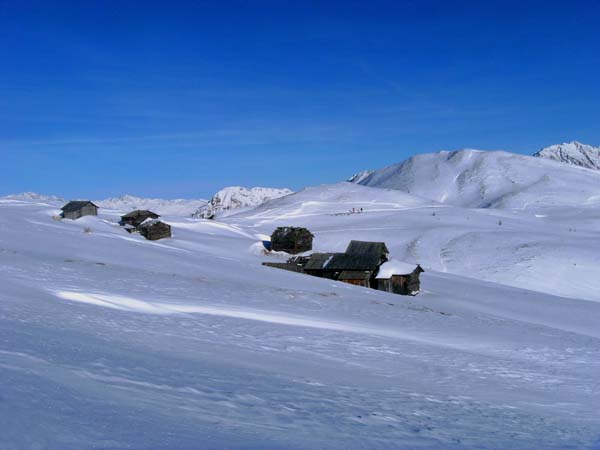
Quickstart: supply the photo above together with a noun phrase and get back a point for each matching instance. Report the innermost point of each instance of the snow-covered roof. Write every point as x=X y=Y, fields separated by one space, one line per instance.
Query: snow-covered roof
x=395 y=267
x=149 y=222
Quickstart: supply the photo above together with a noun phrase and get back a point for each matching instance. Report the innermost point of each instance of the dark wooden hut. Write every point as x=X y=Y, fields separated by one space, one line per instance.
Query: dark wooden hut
x=399 y=277
x=359 y=263
x=135 y=218
x=154 y=230
x=365 y=264
x=292 y=240
x=78 y=208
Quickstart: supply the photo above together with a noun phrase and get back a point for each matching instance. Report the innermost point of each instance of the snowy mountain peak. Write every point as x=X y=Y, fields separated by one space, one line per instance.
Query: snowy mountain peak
x=235 y=197
x=574 y=153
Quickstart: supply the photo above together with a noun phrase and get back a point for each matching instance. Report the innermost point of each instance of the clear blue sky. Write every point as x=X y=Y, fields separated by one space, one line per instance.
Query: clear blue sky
x=178 y=99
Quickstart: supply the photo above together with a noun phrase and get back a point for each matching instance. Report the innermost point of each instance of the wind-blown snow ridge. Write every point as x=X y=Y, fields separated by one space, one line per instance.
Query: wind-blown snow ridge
x=237 y=197
x=131 y=304
x=574 y=153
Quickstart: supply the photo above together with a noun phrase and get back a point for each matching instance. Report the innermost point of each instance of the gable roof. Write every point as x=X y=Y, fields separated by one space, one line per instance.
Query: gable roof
x=353 y=261
x=360 y=255
x=138 y=213
x=76 y=205
x=364 y=247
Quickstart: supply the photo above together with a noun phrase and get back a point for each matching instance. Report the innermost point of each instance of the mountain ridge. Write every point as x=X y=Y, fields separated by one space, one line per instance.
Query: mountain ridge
x=483 y=179
x=574 y=153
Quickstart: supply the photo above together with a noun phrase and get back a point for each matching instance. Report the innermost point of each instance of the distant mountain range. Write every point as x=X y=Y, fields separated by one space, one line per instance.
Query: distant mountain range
x=181 y=207
x=34 y=196
x=469 y=178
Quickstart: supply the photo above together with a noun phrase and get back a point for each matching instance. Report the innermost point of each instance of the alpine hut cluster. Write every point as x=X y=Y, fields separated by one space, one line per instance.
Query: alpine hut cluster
x=365 y=264
x=146 y=223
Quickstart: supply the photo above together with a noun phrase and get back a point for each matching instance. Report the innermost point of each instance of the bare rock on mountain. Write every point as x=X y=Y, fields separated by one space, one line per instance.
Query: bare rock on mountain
x=574 y=153
x=360 y=176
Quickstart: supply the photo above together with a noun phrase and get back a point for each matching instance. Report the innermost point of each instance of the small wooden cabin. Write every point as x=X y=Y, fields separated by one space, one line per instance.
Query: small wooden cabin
x=137 y=217
x=78 y=208
x=154 y=229
x=399 y=277
x=359 y=263
x=292 y=240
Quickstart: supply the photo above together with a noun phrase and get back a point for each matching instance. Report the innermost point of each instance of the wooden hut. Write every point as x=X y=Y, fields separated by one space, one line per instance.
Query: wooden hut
x=359 y=263
x=137 y=217
x=365 y=264
x=154 y=229
x=78 y=208
x=292 y=240
x=399 y=277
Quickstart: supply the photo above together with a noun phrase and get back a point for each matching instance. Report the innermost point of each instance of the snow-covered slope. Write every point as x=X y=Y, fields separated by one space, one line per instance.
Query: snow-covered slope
x=554 y=250
x=574 y=153
x=126 y=203
x=490 y=179
x=111 y=341
x=237 y=197
x=329 y=200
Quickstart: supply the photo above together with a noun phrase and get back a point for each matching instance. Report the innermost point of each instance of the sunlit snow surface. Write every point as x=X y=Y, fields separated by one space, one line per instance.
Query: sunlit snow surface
x=110 y=341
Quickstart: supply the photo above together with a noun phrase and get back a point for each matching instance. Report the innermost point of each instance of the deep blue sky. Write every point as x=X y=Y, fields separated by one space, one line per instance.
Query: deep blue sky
x=178 y=99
